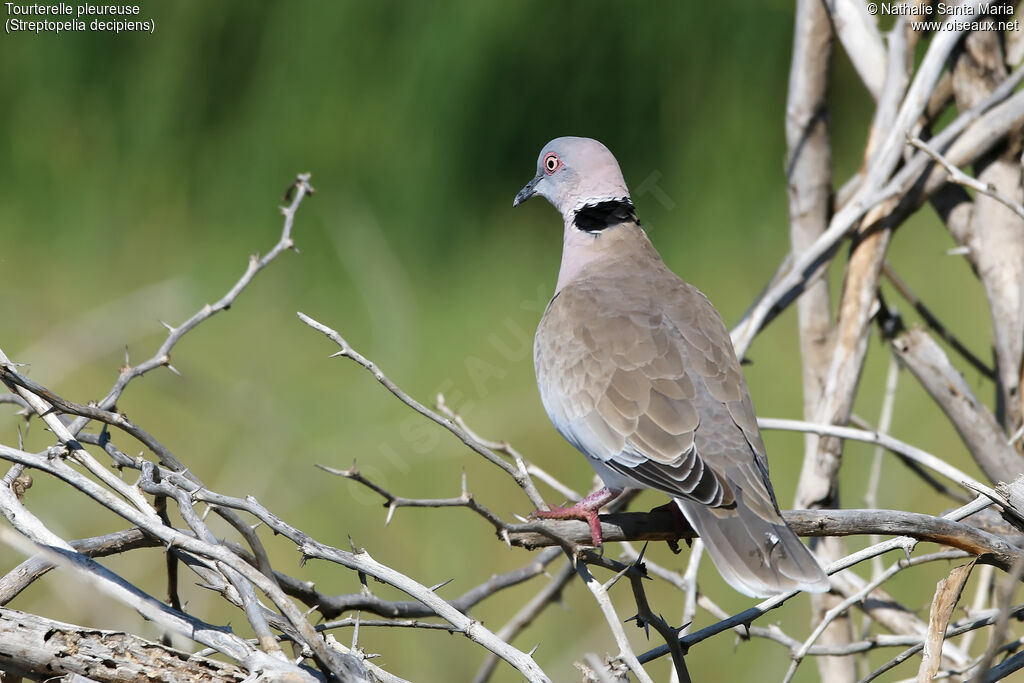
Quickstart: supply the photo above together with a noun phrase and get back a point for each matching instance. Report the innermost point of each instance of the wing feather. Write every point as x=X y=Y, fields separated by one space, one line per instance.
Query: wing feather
x=637 y=370
x=651 y=387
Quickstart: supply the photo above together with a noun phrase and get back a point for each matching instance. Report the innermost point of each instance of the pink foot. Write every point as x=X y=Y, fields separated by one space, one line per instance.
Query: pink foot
x=585 y=510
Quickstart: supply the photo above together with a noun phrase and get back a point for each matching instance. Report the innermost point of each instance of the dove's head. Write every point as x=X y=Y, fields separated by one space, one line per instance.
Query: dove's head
x=573 y=173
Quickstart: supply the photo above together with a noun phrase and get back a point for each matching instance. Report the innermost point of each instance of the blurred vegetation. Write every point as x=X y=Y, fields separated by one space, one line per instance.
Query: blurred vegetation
x=138 y=172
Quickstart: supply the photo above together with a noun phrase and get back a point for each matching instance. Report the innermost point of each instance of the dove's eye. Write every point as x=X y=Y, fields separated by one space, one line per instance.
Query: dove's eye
x=551 y=163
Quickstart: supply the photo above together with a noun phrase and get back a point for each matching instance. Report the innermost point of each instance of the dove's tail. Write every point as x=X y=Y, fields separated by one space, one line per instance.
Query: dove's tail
x=758 y=557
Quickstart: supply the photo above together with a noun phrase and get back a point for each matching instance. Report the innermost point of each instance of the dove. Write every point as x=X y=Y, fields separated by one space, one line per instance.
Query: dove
x=637 y=371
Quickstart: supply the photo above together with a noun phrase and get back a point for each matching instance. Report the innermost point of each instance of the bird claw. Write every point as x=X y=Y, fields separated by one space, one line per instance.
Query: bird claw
x=587 y=515
x=586 y=510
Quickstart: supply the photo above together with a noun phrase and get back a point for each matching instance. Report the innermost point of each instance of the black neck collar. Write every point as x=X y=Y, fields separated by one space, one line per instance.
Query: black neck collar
x=601 y=215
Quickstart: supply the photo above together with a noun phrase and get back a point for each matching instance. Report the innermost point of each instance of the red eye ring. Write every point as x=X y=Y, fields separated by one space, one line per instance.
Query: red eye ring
x=551 y=163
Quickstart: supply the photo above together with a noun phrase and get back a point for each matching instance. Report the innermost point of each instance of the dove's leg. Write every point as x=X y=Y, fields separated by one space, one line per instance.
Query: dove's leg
x=585 y=510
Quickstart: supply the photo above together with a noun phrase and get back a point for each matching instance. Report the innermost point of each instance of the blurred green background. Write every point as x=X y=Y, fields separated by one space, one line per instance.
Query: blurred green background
x=138 y=172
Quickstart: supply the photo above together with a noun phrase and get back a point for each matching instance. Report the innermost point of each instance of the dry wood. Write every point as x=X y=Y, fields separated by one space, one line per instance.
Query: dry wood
x=994 y=234
x=809 y=184
x=947 y=594
x=973 y=421
x=661 y=525
x=34 y=646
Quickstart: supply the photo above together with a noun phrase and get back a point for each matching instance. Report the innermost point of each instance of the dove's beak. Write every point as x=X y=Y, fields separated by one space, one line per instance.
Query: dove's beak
x=527 y=192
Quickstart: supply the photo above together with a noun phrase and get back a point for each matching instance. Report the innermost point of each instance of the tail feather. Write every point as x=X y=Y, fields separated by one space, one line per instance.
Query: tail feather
x=758 y=557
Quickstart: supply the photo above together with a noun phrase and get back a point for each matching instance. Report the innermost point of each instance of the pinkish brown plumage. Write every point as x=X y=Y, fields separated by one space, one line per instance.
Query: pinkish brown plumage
x=637 y=371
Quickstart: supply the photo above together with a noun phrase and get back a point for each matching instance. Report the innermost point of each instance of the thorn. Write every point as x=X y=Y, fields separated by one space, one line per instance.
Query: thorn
x=442 y=584
x=339 y=353
x=206 y=512
x=257 y=525
x=505 y=537
x=639 y=563
x=611 y=582
x=640 y=557
x=173 y=369
x=355 y=549
x=311 y=610
x=958 y=251
x=169 y=327
x=391 y=513
x=641 y=623
x=520 y=518
x=533 y=649
x=127 y=361
x=465 y=492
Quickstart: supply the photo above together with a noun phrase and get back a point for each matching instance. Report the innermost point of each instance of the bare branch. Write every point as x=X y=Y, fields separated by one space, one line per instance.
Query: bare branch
x=749 y=615
x=934 y=323
x=974 y=132
x=884 y=423
x=471 y=628
x=549 y=594
x=162 y=358
x=856 y=598
x=947 y=594
x=521 y=477
x=59 y=553
x=901 y=449
x=859 y=35
x=973 y=422
x=661 y=526
x=1005 y=596
x=960 y=178
x=600 y=594
x=809 y=181
x=43 y=646
x=645 y=617
x=19 y=578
